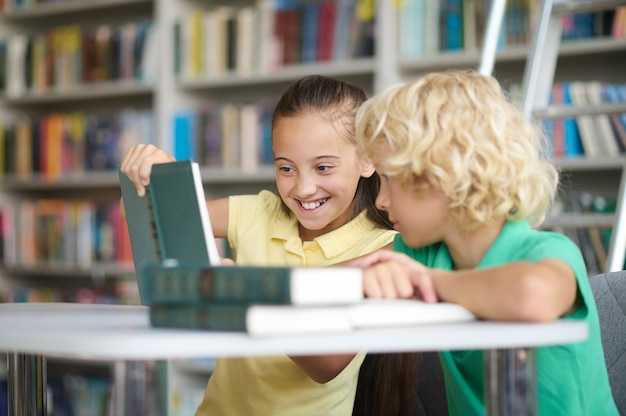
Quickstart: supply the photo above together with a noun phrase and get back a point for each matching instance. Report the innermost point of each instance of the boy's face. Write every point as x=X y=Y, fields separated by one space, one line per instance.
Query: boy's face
x=422 y=217
x=317 y=172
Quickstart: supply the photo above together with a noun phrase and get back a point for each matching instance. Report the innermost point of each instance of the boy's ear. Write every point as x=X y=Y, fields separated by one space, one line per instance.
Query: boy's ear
x=368 y=168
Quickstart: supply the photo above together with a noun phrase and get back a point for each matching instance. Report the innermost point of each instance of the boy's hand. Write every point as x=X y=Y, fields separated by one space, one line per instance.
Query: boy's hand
x=388 y=274
x=138 y=162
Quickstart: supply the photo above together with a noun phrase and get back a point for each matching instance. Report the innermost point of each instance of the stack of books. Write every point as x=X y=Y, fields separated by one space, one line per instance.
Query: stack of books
x=266 y=301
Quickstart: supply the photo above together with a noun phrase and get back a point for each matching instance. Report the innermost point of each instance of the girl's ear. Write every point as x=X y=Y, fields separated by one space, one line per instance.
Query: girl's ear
x=368 y=168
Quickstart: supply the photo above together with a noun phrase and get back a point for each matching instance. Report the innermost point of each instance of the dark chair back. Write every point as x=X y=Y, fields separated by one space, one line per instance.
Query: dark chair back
x=609 y=291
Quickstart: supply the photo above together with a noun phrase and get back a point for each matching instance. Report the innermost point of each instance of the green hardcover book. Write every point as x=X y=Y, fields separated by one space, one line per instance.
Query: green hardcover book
x=260 y=320
x=189 y=283
x=217 y=317
x=141 y=224
x=171 y=221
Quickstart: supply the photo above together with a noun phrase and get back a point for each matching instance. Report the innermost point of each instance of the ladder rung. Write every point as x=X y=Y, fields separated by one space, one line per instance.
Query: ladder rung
x=580 y=220
x=558 y=111
x=563 y=7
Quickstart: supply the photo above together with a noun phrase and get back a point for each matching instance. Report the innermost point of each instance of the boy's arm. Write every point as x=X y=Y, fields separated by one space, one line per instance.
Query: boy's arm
x=521 y=291
x=323 y=368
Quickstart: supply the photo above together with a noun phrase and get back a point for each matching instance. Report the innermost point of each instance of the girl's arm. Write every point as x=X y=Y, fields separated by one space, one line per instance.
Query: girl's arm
x=323 y=368
x=218 y=213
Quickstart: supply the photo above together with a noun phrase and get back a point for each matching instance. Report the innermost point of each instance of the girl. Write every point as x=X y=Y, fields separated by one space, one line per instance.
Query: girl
x=324 y=214
x=453 y=148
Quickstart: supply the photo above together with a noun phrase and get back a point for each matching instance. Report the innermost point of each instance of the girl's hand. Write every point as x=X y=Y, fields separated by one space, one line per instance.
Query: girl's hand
x=138 y=162
x=225 y=261
x=389 y=275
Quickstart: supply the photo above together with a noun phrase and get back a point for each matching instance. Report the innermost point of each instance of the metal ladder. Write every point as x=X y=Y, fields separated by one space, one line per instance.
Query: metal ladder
x=539 y=78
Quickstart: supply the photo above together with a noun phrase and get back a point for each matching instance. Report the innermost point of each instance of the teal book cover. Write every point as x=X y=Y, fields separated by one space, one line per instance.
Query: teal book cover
x=171 y=221
x=187 y=283
x=141 y=224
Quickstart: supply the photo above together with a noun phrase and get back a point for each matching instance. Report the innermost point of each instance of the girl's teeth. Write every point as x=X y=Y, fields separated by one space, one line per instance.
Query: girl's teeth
x=311 y=205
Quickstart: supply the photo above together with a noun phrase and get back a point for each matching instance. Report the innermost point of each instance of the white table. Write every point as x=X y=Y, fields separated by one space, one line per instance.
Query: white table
x=32 y=331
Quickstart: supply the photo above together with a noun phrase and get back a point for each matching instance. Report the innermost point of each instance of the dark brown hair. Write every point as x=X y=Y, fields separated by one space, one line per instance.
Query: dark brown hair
x=338 y=102
x=387 y=385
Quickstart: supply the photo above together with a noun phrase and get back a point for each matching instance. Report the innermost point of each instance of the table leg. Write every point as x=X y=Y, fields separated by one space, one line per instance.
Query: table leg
x=140 y=388
x=511 y=382
x=26 y=385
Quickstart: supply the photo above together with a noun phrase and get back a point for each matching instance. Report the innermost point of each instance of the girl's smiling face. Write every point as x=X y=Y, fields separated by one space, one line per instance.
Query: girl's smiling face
x=317 y=172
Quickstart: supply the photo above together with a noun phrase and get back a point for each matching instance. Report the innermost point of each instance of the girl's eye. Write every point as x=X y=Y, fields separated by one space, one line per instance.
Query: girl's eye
x=324 y=168
x=285 y=169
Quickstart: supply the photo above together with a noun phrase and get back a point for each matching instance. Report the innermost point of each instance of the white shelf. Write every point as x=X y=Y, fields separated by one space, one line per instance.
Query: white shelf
x=471 y=59
x=62 y=7
x=558 y=111
x=289 y=73
x=222 y=176
x=110 y=179
x=197 y=366
x=568 y=220
x=80 y=181
x=564 y=7
x=588 y=164
x=96 y=271
x=83 y=92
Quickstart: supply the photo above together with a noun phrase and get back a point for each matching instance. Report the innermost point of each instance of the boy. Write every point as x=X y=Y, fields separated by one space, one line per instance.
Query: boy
x=464 y=181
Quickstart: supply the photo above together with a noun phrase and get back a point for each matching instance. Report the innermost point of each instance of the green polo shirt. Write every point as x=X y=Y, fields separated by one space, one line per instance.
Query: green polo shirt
x=572 y=378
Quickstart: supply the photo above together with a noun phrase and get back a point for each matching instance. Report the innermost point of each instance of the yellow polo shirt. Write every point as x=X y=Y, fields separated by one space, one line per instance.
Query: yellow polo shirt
x=262 y=233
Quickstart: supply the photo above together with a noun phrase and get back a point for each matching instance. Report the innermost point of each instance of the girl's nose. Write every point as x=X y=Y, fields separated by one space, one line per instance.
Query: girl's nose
x=305 y=185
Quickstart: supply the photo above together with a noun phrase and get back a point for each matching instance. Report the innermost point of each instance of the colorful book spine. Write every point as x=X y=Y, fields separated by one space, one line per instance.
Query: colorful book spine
x=573 y=145
x=184 y=135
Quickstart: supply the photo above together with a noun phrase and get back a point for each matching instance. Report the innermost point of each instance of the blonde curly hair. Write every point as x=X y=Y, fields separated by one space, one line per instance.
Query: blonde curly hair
x=457 y=131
